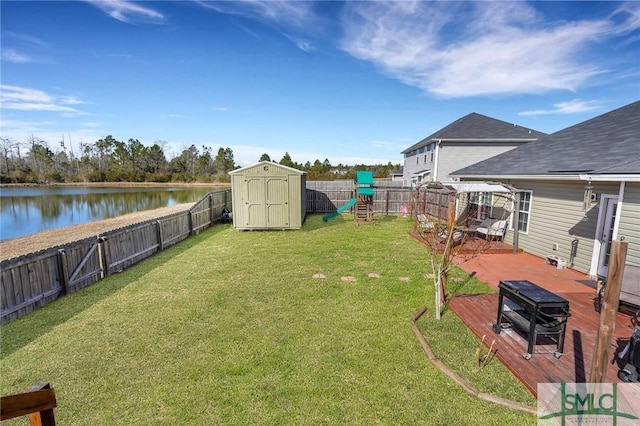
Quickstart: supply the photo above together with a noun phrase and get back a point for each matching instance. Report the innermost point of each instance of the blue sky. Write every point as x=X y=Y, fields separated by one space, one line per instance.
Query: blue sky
x=352 y=82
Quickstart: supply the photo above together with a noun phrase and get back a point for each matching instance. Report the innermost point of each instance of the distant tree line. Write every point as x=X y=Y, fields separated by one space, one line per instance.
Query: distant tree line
x=325 y=171
x=111 y=160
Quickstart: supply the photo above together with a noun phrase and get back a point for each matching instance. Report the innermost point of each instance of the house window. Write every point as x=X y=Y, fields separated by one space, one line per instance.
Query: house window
x=417 y=159
x=481 y=205
x=425 y=158
x=525 y=211
x=432 y=156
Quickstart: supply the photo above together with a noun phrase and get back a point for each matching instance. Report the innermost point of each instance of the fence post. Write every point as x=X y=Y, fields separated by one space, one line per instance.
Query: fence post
x=608 y=312
x=64 y=270
x=159 y=233
x=190 y=223
x=386 y=207
x=211 y=215
x=106 y=255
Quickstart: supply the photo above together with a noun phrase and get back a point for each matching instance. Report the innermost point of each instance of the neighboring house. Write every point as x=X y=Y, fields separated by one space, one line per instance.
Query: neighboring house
x=580 y=190
x=396 y=175
x=466 y=141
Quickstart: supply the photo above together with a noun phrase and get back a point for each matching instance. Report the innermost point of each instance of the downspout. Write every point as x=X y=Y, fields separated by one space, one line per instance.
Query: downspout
x=516 y=221
x=435 y=162
x=616 y=222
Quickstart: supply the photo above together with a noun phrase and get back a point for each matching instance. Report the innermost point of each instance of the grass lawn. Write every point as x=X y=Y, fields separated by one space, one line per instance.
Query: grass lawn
x=230 y=327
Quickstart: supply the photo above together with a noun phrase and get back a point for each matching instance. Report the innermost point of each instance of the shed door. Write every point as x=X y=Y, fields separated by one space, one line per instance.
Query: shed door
x=254 y=202
x=277 y=197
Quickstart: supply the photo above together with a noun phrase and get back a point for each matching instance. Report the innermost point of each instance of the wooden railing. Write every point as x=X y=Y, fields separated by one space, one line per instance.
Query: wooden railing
x=38 y=403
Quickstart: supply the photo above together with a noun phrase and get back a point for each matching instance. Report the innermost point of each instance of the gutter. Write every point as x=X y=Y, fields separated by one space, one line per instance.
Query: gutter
x=426 y=142
x=531 y=177
x=611 y=178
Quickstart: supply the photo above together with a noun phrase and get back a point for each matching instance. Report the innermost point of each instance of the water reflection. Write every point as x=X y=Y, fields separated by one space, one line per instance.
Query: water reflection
x=27 y=210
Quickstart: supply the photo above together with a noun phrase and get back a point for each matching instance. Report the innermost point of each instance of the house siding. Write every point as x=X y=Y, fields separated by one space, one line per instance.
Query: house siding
x=412 y=166
x=630 y=222
x=456 y=155
x=451 y=156
x=557 y=218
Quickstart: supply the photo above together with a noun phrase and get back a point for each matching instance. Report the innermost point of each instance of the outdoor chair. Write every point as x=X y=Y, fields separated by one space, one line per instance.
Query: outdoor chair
x=491 y=229
x=424 y=222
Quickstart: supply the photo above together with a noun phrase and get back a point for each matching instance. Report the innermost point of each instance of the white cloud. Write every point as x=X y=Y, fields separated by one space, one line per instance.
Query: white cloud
x=301 y=43
x=175 y=116
x=27 y=39
x=475 y=48
x=574 y=106
x=128 y=11
x=28 y=99
x=10 y=55
x=304 y=45
x=23 y=94
x=71 y=100
x=295 y=13
x=629 y=16
x=31 y=106
x=222 y=109
x=280 y=13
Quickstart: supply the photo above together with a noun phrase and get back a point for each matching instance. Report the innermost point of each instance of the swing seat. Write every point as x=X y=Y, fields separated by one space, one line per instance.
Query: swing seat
x=491 y=229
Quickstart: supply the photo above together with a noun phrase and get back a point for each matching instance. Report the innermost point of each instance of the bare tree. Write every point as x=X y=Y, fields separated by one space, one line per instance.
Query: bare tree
x=444 y=220
x=7 y=147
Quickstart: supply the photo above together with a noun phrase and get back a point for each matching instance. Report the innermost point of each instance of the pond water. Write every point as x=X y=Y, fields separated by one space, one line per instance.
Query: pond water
x=28 y=210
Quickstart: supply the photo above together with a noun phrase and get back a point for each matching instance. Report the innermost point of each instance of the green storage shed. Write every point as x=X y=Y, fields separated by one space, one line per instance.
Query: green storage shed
x=268 y=195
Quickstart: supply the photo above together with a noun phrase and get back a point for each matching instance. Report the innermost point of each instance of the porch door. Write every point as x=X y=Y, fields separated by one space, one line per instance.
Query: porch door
x=606 y=234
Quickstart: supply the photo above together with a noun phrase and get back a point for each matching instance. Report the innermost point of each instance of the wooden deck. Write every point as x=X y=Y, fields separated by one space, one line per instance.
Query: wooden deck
x=479 y=313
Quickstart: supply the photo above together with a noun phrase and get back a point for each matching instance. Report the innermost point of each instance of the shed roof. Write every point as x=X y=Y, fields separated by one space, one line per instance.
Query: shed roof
x=476 y=127
x=607 y=144
x=269 y=163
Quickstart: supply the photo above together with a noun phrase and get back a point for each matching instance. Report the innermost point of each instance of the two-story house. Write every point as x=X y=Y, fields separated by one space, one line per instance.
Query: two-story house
x=468 y=140
x=579 y=191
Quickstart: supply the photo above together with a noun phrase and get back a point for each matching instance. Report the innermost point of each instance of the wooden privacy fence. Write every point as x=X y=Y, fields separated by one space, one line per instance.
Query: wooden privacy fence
x=34 y=280
x=327 y=196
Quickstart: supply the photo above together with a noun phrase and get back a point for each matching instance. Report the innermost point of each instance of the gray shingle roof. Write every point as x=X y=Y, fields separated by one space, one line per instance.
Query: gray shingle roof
x=607 y=144
x=477 y=127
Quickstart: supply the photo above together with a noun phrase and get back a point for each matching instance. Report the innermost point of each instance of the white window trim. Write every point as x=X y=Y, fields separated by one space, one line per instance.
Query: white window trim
x=480 y=201
x=516 y=214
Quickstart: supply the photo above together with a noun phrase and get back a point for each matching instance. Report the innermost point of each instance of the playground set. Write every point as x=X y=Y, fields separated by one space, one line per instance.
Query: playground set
x=363 y=201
